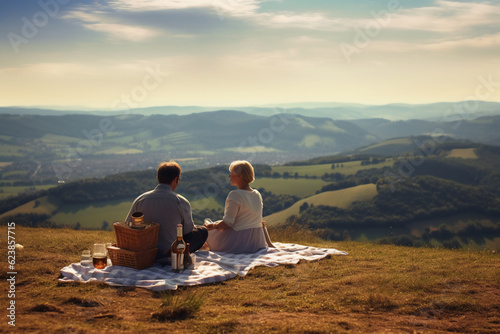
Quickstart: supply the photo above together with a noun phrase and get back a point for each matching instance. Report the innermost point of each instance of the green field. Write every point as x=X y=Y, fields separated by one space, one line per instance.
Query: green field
x=93 y=215
x=340 y=198
x=119 y=138
x=19 y=174
x=14 y=191
x=346 y=168
x=119 y=150
x=298 y=187
x=396 y=141
x=40 y=206
x=88 y=215
x=206 y=203
x=310 y=141
x=251 y=149
x=7 y=150
x=58 y=139
x=330 y=125
x=463 y=153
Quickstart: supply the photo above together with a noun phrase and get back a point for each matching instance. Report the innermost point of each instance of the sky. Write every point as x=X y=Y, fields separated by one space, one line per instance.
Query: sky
x=113 y=55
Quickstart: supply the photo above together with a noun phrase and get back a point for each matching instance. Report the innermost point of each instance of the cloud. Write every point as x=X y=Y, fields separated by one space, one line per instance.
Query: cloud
x=84 y=14
x=102 y=21
x=474 y=43
x=443 y=16
x=243 y=10
x=53 y=69
x=310 y=20
x=74 y=69
x=446 y=16
x=444 y=26
x=121 y=31
x=487 y=41
x=222 y=7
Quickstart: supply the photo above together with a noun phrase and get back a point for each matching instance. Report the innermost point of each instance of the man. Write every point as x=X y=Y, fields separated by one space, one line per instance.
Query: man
x=162 y=205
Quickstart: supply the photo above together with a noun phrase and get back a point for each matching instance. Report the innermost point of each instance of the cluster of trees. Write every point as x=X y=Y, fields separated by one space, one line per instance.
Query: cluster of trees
x=451 y=170
x=211 y=182
x=474 y=231
x=422 y=197
x=372 y=175
x=372 y=161
x=333 y=177
x=448 y=238
x=331 y=159
x=43 y=220
x=31 y=220
x=275 y=203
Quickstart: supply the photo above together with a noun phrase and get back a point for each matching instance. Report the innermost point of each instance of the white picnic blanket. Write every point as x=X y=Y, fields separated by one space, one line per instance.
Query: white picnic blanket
x=210 y=267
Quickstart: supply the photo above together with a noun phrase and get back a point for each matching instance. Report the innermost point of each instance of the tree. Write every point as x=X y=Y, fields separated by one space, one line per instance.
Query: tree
x=452 y=244
x=303 y=207
x=105 y=225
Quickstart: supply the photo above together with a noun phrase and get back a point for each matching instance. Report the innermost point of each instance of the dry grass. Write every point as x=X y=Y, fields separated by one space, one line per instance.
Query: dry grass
x=376 y=288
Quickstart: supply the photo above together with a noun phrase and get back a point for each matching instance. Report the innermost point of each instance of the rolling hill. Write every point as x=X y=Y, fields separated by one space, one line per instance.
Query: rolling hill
x=449 y=197
x=338 y=198
x=333 y=110
x=75 y=146
x=37 y=149
x=481 y=129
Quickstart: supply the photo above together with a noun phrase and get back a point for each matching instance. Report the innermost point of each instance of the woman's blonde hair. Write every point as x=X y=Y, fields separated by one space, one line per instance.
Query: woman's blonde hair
x=243 y=168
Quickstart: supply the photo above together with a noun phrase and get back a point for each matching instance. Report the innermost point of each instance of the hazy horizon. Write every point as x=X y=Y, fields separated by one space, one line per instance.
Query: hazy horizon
x=305 y=105
x=113 y=55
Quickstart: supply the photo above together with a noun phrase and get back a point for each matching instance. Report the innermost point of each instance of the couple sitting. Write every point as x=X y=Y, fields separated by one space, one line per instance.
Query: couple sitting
x=241 y=230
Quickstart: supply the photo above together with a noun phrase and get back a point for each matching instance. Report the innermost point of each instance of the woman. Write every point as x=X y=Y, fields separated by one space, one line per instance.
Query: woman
x=241 y=229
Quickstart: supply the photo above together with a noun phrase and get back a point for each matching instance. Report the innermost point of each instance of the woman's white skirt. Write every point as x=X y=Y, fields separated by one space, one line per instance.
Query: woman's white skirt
x=231 y=241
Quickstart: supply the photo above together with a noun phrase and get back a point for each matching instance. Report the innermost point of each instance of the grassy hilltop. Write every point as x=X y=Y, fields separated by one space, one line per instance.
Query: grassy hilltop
x=376 y=288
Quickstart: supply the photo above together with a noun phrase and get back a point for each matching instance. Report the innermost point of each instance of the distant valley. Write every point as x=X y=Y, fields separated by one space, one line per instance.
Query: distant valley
x=409 y=182
x=45 y=149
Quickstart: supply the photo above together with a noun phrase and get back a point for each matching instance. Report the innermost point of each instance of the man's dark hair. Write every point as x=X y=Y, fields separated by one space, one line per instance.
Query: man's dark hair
x=168 y=171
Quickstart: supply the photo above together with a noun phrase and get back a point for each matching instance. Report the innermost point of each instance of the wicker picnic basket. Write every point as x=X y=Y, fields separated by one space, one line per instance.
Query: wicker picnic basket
x=135 y=239
x=132 y=259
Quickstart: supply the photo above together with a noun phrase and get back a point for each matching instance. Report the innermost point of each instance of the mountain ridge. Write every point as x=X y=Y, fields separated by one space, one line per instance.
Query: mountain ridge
x=346 y=111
